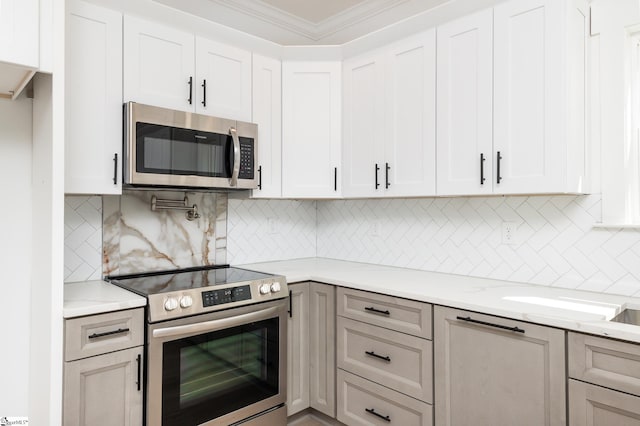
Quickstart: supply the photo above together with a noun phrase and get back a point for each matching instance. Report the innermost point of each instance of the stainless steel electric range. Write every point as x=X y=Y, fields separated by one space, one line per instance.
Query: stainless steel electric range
x=215 y=346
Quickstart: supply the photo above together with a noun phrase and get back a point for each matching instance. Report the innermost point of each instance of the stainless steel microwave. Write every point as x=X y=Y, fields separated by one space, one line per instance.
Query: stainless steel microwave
x=177 y=149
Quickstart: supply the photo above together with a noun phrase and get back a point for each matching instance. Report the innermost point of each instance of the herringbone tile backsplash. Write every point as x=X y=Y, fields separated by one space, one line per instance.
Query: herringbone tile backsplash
x=82 y=238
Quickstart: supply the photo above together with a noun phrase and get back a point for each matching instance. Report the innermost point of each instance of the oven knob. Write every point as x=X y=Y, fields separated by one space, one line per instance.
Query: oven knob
x=265 y=289
x=170 y=304
x=275 y=287
x=186 y=301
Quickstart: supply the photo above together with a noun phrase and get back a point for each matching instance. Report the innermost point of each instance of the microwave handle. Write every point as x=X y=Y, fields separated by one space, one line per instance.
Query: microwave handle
x=236 y=157
x=219 y=324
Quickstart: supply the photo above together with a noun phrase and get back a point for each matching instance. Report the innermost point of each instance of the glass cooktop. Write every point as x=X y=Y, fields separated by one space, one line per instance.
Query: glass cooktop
x=185 y=279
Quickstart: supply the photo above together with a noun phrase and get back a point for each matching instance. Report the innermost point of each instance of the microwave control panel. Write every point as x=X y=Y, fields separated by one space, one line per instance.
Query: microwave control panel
x=246 y=158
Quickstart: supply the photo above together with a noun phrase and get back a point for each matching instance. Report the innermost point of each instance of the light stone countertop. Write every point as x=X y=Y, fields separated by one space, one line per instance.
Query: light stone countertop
x=97 y=297
x=582 y=311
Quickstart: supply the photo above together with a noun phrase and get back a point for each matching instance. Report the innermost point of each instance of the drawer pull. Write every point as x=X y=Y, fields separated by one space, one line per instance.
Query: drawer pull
x=375 y=355
x=372 y=411
x=108 y=333
x=377 y=311
x=503 y=327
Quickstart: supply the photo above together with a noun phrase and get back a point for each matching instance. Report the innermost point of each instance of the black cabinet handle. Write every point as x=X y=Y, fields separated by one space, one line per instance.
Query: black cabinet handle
x=503 y=327
x=204 y=93
x=377 y=311
x=377 y=170
x=386 y=175
x=139 y=361
x=375 y=355
x=190 y=83
x=335 y=179
x=482 y=160
x=290 y=304
x=108 y=333
x=372 y=411
x=115 y=168
x=260 y=178
x=499 y=157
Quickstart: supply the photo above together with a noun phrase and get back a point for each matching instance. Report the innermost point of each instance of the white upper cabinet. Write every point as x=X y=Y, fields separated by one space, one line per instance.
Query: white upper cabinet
x=173 y=69
x=539 y=96
x=267 y=114
x=389 y=113
x=311 y=127
x=19 y=36
x=93 y=101
x=465 y=102
x=223 y=75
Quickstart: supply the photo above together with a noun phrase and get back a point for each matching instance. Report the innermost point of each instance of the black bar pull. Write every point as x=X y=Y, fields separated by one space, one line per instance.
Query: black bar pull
x=375 y=355
x=386 y=175
x=503 y=327
x=260 y=178
x=377 y=170
x=372 y=411
x=335 y=179
x=290 y=304
x=204 y=93
x=482 y=160
x=139 y=361
x=190 y=83
x=499 y=157
x=377 y=311
x=115 y=168
x=108 y=333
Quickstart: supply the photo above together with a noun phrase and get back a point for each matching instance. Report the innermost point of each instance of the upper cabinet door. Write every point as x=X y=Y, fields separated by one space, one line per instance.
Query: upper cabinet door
x=465 y=103
x=529 y=96
x=311 y=126
x=93 y=101
x=158 y=65
x=267 y=114
x=19 y=32
x=410 y=167
x=364 y=124
x=223 y=76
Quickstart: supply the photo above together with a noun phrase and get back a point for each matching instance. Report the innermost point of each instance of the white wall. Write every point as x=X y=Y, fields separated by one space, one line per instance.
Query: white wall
x=15 y=253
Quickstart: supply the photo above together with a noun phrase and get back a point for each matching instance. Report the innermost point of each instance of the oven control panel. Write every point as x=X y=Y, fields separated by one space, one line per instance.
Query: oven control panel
x=226 y=295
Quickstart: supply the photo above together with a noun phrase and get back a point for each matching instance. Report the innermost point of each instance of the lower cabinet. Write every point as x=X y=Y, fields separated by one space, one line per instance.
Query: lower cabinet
x=494 y=371
x=311 y=365
x=597 y=406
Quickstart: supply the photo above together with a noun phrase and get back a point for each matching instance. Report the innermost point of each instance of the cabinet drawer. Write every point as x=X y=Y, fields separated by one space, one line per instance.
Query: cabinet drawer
x=359 y=399
x=407 y=316
x=396 y=360
x=605 y=362
x=597 y=406
x=98 y=334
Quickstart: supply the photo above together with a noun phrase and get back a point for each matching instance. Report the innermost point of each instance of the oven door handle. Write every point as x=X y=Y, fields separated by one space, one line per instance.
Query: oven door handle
x=236 y=157
x=219 y=324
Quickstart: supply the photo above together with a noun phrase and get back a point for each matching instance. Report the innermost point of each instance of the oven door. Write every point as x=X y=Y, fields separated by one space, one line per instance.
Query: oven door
x=218 y=368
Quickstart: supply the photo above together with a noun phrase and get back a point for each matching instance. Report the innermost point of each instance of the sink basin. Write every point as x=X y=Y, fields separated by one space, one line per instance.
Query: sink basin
x=628 y=316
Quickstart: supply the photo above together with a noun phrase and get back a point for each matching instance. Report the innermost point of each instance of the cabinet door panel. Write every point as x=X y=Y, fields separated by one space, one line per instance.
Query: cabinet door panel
x=489 y=376
x=465 y=103
x=298 y=349
x=19 y=32
x=363 y=137
x=267 y=113
x=104 y=390
x=410 y=148
x=227 y=72
x=322 y=348
x=158 y=63
x=528 y=96
x=595 y=406
x=93 y=102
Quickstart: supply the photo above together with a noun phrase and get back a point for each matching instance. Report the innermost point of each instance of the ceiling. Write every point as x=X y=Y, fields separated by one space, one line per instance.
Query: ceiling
x=305 y=22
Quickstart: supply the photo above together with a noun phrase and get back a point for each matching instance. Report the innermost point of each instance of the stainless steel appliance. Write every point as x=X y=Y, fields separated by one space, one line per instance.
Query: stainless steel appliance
x=178 y=149
x=216 y=346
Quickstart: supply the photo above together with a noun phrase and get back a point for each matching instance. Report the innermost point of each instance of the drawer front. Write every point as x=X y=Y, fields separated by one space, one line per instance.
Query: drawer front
x=396 y=360
x=98 y=334
x=364 y=403
x=407 y=316
x=605 y=362
x=597 y=406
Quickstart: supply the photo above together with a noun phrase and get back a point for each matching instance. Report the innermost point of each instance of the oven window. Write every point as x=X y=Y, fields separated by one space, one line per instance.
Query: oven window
x=213 y=374
x=168 y=150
